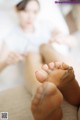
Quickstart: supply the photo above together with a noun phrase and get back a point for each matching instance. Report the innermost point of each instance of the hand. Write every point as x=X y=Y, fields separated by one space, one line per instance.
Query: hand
x=7 y=57
x=60 y=39
x=13 y=58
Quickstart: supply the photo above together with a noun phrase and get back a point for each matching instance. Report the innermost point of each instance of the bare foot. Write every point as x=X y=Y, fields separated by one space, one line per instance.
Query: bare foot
x=58 y=73
x=63 y=77
x=46 y=102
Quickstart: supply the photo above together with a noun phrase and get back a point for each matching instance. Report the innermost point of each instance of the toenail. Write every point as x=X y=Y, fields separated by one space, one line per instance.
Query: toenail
x=64 y=66
x=70 y=68
x=45 y=67
x=51 y=65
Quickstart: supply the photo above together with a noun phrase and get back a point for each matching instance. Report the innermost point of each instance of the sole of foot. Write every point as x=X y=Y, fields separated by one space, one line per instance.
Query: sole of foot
x=47 y=99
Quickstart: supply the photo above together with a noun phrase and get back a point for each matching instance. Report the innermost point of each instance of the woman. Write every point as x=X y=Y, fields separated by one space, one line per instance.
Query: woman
x=24 y=43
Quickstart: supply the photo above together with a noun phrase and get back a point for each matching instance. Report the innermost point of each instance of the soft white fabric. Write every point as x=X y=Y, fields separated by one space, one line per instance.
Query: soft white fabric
x=13 y=2
x=69 y=111
x=51 y=12
x=11 y=76
x=17 y=102
x=19 y=41
x=79 y=114
x=61 y=48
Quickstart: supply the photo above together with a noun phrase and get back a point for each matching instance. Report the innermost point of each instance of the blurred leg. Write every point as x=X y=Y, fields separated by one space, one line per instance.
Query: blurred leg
x=49 y=54
x=32 y=64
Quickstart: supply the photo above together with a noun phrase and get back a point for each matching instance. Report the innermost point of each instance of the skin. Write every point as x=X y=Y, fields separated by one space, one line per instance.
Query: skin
x=8 y=57
x=46 y=102
x=27 y=19
x=46 y=94
x=48 y=91
x=63 y=77
x=28 y=16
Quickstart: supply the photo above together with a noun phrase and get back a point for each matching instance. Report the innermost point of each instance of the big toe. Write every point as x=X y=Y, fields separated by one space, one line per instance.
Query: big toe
x=41 y=75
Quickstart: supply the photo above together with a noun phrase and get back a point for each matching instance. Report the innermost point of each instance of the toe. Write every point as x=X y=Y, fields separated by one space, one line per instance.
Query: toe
x=64 y=66
x=58 y=65
x=61 y=65
x=51 y=65
x=46 y=68
x=41 y=75
x=35 y=102
x=36 y=98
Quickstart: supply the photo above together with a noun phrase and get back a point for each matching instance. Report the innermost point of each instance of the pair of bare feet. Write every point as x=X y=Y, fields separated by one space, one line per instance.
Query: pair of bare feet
x=55 y=79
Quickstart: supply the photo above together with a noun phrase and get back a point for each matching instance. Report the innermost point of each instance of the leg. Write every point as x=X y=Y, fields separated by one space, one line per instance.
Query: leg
x=49 y=54
x=46 y=103
x=32 y=63
x=63 y=77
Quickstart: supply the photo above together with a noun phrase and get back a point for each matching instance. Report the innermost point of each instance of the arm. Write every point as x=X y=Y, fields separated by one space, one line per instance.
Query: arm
x=7 y=57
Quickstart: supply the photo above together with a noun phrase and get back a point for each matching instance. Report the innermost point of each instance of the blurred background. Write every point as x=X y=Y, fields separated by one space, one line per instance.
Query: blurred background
x=49 y=12
x=64 y=17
